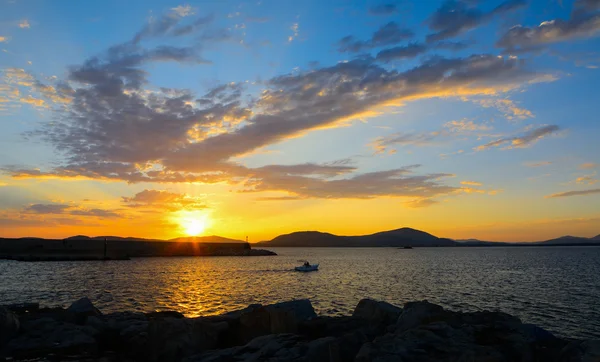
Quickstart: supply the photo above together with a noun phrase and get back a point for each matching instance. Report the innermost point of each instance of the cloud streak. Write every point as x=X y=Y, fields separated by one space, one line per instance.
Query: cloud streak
x=525 y=140
x=455 y=17
x=583 y=22
x=574 y=193
x=389 y=34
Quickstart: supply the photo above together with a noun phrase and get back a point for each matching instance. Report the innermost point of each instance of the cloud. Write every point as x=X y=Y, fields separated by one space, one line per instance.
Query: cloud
x=295 y=30
x=451 y=45
x=399 y=182
x=587 y=179
x=68 y=209
x=162 y=199
x=170 y=25
x=3 y=39
x=525 y=140
x=510 y=110
x=471 y=183
x=538 y=164
x=183 y=10
x=465 y=126
x=574 y=193
x=381 y=144
x=383 y=9
x=455 y=17
x=117 y=126
x=388 y=34
x=401 y=52
x=588 y=166
x=24 y=24
x=588 y=4
x=418 y=203
x=581 y=24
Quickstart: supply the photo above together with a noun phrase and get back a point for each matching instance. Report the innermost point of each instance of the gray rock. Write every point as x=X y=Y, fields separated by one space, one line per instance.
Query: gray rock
x=82 y=309
x=43 y=336
x=9 y=325
x=416 y=313
x=581 y=351
x=171 y=339
x=377 y=311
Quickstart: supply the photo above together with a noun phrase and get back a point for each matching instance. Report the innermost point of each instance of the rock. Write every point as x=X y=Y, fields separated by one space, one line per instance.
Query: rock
x=45 y=336
x=581 y=351
x=82 y=309
x=376 y=311
x=301 y=309
x=416 y=313
x=9 y=325
x=323 y=350
x=164 y=314
x=23 y=307
x=254 y=323
x=171 y=339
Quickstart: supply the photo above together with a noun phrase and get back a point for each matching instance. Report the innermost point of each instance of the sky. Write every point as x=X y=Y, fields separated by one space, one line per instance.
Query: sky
x=157 y=119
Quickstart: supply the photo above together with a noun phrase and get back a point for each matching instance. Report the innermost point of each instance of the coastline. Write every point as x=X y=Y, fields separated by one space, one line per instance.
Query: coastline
x=376 y=331
x=31 y=249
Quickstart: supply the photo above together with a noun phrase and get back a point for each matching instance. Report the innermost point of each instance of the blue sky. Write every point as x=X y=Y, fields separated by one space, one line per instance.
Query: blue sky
x=236 y=111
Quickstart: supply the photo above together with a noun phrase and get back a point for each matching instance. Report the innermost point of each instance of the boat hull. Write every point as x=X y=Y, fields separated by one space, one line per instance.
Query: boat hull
x=309 y=268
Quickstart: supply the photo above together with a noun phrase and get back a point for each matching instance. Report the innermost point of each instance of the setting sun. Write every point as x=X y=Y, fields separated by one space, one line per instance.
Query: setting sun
x=193 y=223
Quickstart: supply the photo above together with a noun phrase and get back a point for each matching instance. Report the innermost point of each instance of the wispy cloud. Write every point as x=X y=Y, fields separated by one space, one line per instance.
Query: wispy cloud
x=587 y=179
x=471 y=183
x=455 y=17
x=3 y=39
x=166 y=200
x=465 y=125
x=381 y=144
x=510 y=110
x=525 y=140
x=588 y=166
x=183 y=10
x=582 y=23
x=420 y=203
x=69 y=209
x=388 y=34
x=295 y=28
x=574 y=193
x=537 y=164
x=24 y=24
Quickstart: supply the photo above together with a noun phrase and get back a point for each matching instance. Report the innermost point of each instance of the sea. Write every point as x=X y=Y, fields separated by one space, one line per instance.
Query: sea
x=557 y=288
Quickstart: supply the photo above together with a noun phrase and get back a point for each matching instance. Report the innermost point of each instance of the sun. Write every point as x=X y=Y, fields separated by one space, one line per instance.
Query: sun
x=194 y=227
x=193 y=223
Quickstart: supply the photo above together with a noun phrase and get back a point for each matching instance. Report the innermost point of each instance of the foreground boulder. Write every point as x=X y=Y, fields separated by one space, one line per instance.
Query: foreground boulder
x=80 y=310
x=376 y=311
x=9 y=325
x=288 y=331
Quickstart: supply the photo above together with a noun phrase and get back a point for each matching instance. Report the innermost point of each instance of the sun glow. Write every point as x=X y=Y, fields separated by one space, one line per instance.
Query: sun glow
x=193 y=223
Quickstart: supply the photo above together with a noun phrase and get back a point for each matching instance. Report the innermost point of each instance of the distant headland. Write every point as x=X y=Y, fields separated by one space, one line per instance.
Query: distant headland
x=405 y=237
x=83 y=247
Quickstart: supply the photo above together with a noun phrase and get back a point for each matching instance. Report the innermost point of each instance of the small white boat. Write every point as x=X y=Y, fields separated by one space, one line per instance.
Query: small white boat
x=307 y=268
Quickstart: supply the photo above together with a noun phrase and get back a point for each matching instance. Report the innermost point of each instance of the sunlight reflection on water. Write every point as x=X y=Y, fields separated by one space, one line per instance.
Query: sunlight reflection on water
x=553 y=287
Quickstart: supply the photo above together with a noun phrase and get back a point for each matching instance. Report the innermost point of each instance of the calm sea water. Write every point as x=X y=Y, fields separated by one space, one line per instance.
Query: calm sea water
x=555 y=287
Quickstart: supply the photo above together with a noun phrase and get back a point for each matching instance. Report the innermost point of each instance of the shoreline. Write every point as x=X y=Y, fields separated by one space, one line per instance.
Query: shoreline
x=419 y=331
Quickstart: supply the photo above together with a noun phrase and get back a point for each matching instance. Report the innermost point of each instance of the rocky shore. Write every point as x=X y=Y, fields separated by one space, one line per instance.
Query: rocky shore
x=288 y=331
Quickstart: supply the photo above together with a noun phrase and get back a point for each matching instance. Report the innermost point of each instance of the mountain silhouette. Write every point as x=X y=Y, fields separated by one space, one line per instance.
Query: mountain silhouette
x=391 y=238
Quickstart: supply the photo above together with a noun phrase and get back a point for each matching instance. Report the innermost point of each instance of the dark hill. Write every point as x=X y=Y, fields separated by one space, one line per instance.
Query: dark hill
x=571 y=240
x=392 y=238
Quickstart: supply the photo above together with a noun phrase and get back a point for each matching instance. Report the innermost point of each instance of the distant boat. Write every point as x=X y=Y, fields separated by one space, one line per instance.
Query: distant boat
x=407 y=247
x=307 y=268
